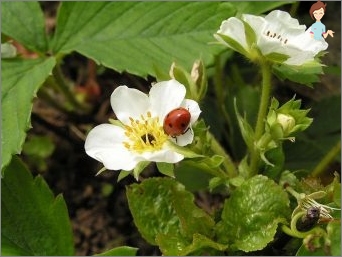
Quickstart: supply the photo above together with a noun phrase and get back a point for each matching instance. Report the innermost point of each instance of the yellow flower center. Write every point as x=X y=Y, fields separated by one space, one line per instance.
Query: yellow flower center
x=145 y=134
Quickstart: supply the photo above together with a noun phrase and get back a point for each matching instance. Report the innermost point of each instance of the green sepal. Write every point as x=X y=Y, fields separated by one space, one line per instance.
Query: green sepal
x=250 y=34
x=234 y=44
x=183 y=150
x=246 y=129
x=139 y=168
x=305 y=74
x=116 y=123
x=199 y=75
x=120 y=251
x=100 y=171
x=182 y=76
x=166 y=168
x=277 y=57
x=123 y=174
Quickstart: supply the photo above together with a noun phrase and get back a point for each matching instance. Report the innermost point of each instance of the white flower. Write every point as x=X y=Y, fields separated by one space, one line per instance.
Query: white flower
x=277 y=33
x=141 y=137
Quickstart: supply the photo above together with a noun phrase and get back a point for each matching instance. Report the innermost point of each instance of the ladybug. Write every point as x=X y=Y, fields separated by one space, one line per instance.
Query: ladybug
x=176 y=122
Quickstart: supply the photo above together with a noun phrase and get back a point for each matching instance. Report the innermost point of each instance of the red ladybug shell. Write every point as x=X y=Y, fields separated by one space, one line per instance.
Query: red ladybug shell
x=177 y=122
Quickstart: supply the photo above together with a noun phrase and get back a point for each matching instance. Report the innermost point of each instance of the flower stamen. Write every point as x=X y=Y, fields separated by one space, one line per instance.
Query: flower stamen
x=274 y=35
x=145 y=134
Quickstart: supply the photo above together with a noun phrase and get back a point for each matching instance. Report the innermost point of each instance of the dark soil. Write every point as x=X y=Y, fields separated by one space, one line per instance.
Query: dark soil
x=101 y=220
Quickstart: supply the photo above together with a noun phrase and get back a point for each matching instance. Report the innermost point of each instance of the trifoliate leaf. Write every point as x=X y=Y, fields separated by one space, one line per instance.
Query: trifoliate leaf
x=20 y=82
x=162 y=206
x=251 y=215
x=33 y=221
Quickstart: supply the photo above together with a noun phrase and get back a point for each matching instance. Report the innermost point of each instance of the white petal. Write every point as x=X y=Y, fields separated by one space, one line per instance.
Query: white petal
x=235 y=29
x=104 y=143
x=193 y=108
x=164 y=155
x=284 y=19
x=166 y=96
x=184 y=139
x=129 y=102
x=256 y=22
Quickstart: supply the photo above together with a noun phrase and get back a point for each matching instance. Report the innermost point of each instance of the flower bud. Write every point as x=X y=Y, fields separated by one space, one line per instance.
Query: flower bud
x=194 y=82
x=287 y=122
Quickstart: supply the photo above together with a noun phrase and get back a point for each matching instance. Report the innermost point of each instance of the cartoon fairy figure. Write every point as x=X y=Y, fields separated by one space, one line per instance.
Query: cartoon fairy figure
x=317 y=30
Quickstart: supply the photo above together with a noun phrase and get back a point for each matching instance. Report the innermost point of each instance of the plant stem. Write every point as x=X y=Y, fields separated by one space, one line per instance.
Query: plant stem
x=293 y=193
x=260 y=124
x=63 y=86
x=215 y=145
x=44 y=94
x=327 y=159
x=220 y=97
x=227 y=163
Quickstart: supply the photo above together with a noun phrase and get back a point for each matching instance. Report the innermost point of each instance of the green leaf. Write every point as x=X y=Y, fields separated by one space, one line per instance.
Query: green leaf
x=251 y=215
x=187 y=170
x=151 y=207
x=135 y=36
x=161 y=206
x=20 y=82
x=302 y=251
x=250 y=7
x=193 y=219
x=33 y=221
x=334 y=234
x=277 y=158
x=120 y=251
x=167 y=243
x=24 y=21
x=203 y=169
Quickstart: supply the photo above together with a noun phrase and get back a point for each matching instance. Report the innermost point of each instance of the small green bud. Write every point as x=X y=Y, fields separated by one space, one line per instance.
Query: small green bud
x=287 y=122
x=194 y=82
x=284 y=121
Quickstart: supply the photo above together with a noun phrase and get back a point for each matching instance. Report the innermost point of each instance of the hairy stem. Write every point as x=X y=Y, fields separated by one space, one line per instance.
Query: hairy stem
x=228 y=164
x=64 y=88
x=260 y=124
x=327 y=159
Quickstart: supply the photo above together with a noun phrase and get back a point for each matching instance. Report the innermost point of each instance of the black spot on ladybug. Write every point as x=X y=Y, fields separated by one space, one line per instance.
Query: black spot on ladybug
x=170 y=125
x=183 y=125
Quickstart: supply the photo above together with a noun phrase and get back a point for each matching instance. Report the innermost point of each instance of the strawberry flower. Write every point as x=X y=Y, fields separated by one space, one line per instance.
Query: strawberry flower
x=138 y=135
x=277 y=37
